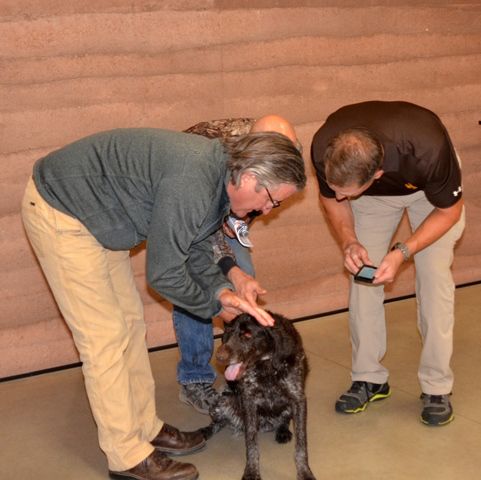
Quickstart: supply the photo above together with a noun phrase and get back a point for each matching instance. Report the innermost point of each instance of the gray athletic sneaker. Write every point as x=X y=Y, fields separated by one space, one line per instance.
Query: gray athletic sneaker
x=437 y=410
x=356 y=399
x=201 y=396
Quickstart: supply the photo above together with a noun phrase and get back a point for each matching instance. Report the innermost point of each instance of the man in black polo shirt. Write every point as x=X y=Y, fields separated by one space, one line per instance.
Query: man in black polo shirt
x=375 y=160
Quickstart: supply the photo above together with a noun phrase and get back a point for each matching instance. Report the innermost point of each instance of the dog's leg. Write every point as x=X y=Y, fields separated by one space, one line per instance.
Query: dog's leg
x=251 y=471
x=219 y=414
x=283 y=434
x=300 y=421
x=213 y=428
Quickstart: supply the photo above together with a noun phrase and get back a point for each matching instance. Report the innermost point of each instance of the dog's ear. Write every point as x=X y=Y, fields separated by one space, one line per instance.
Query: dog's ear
x=284 y=341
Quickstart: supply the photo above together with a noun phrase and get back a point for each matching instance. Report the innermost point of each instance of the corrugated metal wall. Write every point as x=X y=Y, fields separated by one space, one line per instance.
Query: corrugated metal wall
x=70 y=68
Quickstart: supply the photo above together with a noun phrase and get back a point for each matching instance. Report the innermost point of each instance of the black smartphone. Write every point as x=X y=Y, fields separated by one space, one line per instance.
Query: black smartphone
x=365 y=274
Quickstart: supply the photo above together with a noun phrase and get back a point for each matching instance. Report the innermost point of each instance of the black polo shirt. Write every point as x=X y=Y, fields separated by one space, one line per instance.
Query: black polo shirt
x=418 y=153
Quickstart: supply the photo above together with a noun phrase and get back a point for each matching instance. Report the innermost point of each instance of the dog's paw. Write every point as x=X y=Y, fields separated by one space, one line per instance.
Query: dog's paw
x=283 y=434
x=248 y=475
x=306 y=475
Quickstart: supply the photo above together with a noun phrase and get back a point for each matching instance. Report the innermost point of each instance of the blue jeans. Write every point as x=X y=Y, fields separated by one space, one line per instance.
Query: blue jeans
x=195 y=336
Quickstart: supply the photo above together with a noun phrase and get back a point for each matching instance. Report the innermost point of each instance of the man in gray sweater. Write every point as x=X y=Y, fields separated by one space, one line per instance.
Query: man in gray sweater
x=88 y=204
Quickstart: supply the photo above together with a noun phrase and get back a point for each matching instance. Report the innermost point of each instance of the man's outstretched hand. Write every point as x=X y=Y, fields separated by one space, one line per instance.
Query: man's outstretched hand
x=234 y=305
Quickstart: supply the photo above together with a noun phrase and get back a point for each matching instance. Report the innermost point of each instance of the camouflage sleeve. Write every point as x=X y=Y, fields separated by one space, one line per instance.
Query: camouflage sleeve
x=223 y=255
x=223 y=128
x=220 y=247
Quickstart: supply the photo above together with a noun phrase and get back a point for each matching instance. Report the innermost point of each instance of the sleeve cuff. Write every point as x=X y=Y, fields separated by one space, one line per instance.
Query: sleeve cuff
x=225 y=264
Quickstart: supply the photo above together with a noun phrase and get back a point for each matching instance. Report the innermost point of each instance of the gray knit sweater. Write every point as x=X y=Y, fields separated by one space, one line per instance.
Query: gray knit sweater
x=131 y=185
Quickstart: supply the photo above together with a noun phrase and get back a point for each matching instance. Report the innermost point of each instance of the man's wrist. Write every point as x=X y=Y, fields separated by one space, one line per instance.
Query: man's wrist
x=226 y=264
x=403 y=248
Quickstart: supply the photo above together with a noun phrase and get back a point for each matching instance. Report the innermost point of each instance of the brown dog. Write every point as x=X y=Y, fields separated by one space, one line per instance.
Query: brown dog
x=266 y=368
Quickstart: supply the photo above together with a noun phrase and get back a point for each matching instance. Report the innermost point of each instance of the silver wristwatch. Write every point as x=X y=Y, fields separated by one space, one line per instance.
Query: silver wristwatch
x=403 y=248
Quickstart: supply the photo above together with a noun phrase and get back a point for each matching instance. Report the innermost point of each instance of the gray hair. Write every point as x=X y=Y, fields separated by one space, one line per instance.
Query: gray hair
x=352 y=157
x=271 y=157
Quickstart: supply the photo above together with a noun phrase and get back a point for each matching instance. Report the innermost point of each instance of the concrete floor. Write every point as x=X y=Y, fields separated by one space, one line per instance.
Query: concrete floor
x=47 y=431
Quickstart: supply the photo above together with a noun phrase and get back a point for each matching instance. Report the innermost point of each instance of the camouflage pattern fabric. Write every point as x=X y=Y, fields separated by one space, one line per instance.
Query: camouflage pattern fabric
x=223 y=128
x=220 y=247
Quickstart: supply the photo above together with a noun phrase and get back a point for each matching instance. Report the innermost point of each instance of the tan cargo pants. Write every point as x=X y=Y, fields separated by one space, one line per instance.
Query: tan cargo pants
x=96 y=293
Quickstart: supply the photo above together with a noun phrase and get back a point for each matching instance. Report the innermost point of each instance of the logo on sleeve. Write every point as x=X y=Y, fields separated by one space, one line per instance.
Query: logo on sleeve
x=410 y=186
x=458 y=191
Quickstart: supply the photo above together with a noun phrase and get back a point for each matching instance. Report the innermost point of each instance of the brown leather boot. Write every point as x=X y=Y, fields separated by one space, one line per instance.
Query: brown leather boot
x=158 y=466
x=171 y=440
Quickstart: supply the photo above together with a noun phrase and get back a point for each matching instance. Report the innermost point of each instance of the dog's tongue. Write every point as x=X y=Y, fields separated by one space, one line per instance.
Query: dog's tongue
x=232 y=371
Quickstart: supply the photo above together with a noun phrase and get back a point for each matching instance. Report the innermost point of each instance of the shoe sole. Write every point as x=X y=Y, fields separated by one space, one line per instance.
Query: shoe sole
x=439 y=424
x=374 y=398
x=121 y=476
x=185 y=400
x=180 y=453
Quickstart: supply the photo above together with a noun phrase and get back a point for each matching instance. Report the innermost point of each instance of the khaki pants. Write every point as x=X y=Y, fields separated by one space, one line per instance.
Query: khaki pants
x=95 y=291
x=376 y=220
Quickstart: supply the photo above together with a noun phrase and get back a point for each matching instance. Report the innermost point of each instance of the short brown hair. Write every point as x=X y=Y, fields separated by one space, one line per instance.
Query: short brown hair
x=352 y=157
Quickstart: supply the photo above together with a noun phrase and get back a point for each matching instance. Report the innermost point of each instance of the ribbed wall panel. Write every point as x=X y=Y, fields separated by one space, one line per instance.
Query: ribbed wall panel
x=68 y=69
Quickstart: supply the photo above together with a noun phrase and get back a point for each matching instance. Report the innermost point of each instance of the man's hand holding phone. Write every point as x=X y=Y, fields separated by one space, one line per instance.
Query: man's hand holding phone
x=355 y=256
x=365 y=274
x=389 y=267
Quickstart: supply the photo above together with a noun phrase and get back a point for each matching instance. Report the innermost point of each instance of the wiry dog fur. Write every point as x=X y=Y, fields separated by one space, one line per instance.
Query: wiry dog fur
x=266 y=369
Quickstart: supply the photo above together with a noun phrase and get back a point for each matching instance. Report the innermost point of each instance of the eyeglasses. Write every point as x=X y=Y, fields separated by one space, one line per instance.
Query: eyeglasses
x=275 y=203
